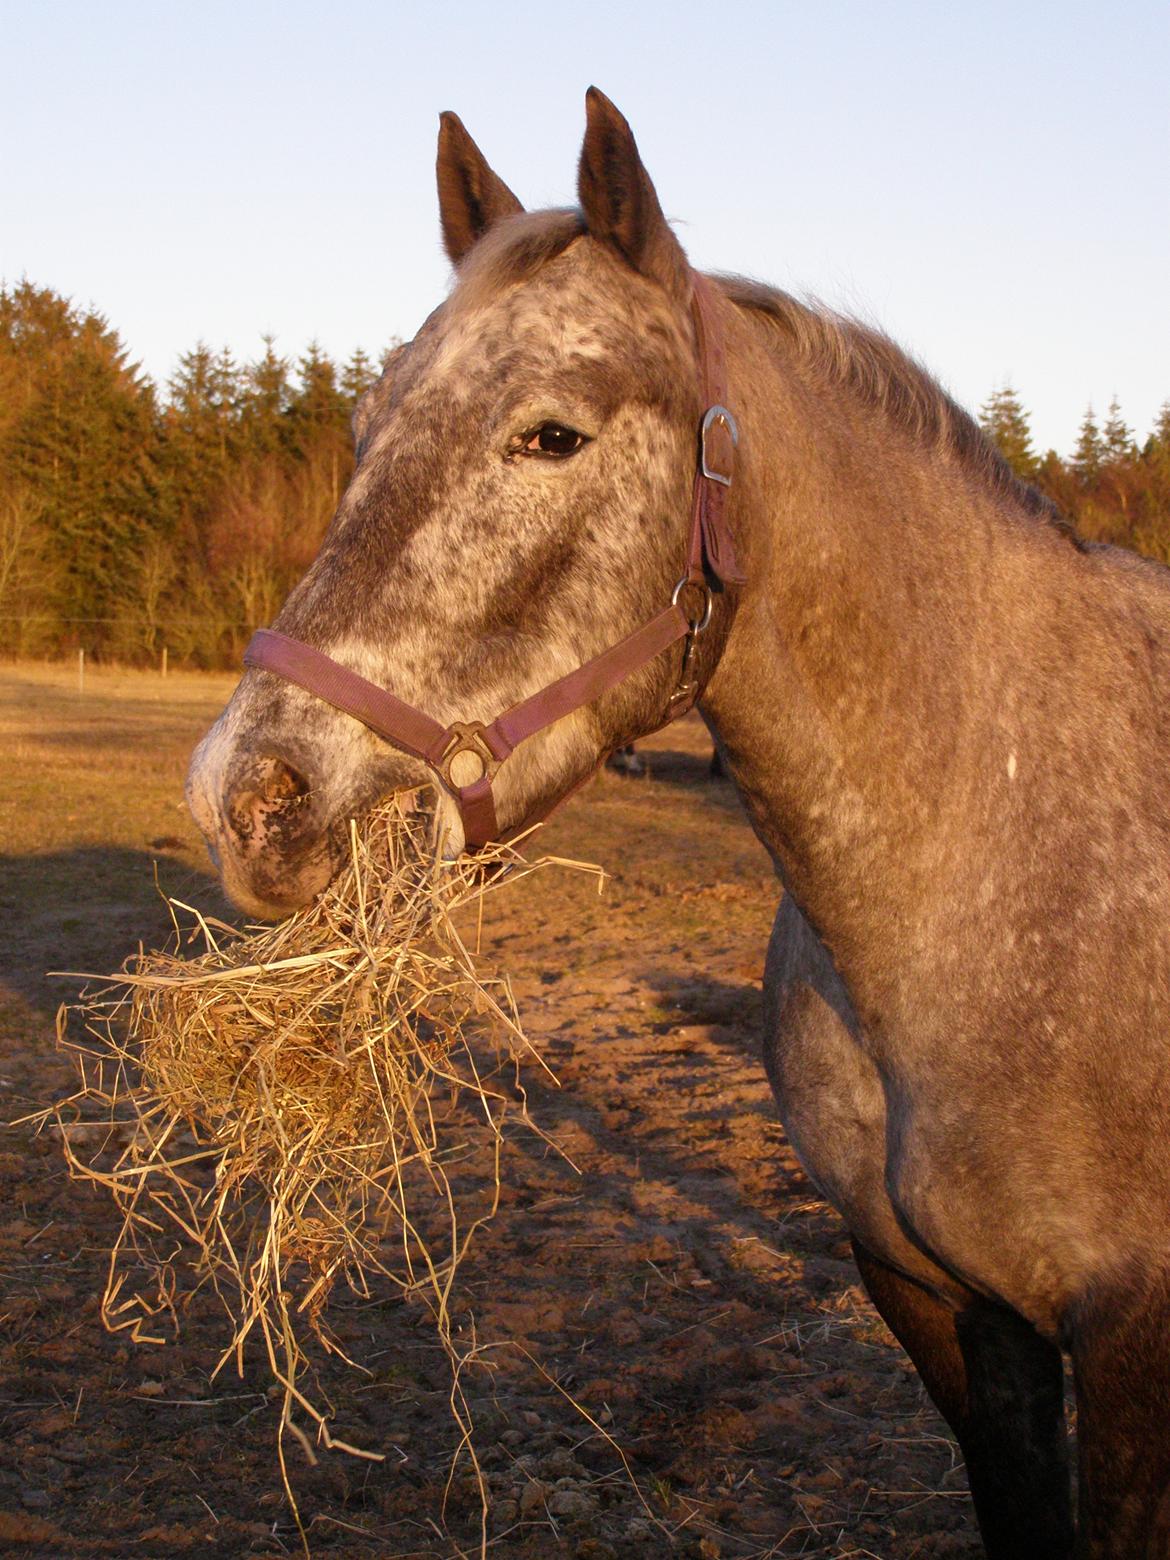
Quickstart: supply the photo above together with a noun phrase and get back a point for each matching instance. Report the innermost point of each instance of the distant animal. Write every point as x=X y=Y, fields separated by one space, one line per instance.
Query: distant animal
x=947 y=718
x=626 y=760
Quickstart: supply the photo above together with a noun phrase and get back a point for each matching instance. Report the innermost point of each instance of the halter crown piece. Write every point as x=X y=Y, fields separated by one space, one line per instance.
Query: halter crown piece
x=466 y=755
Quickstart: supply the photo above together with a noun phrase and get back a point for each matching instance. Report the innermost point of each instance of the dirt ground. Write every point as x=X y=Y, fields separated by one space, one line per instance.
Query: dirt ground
x=679 y=1279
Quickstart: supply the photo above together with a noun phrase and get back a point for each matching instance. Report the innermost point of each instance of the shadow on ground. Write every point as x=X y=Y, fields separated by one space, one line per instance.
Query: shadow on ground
x=676 y=767
x=87 y=909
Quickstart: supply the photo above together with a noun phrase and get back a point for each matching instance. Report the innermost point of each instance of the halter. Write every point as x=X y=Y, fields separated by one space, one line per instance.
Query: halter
x=466 y=755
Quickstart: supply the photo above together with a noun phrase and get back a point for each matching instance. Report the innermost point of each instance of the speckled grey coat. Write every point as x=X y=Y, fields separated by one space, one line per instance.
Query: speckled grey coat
x=947 y=721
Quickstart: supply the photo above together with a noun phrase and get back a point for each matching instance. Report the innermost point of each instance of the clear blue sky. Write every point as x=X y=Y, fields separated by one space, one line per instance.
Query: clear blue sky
x=988 y=182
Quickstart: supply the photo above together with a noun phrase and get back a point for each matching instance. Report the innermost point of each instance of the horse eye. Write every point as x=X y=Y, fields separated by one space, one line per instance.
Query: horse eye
x=556 y=440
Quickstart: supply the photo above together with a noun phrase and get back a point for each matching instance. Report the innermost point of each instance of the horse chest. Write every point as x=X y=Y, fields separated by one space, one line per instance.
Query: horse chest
x=951 y=1177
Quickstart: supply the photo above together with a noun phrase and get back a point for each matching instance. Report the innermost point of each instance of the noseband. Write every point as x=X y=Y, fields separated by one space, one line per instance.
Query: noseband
x=467 y=754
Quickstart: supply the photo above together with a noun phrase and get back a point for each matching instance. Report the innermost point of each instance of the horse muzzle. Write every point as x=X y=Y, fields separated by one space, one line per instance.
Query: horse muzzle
x=267 y=827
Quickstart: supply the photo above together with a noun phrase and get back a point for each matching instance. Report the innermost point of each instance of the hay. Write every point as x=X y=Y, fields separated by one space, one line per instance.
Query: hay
x=284 y=1112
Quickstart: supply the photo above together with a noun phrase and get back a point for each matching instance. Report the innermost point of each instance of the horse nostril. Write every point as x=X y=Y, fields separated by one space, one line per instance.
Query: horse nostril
x=281 y=783
x=269 y=792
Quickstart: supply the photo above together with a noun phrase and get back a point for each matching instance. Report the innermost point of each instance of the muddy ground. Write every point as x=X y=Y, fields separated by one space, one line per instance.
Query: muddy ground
x=679 y=1281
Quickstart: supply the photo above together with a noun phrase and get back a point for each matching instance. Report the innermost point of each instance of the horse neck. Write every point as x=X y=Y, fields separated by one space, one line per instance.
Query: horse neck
x=858 y=694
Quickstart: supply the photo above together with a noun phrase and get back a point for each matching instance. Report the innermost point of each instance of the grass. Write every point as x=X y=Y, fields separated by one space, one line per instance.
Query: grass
x=91 y=811
x=61 y=749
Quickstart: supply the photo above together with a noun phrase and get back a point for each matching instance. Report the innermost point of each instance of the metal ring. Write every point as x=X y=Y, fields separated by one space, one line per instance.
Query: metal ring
x=697 y=625
x=466 y=737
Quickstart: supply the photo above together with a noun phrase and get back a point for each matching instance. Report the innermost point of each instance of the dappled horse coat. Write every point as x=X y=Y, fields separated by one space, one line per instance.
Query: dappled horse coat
x=947 y=720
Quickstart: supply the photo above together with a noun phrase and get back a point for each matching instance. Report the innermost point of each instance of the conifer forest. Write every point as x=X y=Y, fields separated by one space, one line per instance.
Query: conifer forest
x=135 y=519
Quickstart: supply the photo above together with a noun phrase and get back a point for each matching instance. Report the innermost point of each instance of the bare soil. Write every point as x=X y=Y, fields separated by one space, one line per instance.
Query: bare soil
x=679 y=1281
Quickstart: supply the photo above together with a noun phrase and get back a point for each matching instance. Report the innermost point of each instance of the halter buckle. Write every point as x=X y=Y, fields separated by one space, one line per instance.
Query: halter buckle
x=715 y=419
x=466 y=737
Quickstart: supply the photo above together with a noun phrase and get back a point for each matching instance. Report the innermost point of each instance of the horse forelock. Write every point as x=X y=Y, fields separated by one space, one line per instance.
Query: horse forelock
x=515 y=249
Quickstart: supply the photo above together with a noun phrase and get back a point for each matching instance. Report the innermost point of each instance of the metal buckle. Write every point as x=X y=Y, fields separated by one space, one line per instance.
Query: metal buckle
x=713 y=415
x=466 y=737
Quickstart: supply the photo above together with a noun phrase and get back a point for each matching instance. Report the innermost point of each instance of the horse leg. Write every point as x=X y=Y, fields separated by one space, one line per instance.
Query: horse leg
x=1121 y=1364
x=1000 y=1387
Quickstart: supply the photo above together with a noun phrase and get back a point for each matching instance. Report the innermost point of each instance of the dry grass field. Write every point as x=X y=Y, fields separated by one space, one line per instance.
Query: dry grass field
x=675 y=1275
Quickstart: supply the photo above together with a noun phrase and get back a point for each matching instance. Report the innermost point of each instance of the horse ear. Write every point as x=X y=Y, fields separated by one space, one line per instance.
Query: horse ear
x=471 y=196
x=619 y=201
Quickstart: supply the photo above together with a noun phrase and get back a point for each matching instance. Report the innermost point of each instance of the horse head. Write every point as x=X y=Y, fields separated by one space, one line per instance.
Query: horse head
x=521 y=502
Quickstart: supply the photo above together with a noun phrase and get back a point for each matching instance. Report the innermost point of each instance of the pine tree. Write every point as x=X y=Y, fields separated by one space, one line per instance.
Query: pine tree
x=182 y=524
x=265 y=401
x=319 y=419
x=1090 y=450
x=318 y=406
x=200 y=428
x=1156 y=460
x=1004 y=421
x=1156 y=449
x=77 y=450
x=357 y=376
x=205 y=397
x=1116 y=439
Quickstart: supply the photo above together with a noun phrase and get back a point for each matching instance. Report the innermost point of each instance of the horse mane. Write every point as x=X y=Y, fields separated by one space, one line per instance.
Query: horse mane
x=884 y=377
x=846 y=352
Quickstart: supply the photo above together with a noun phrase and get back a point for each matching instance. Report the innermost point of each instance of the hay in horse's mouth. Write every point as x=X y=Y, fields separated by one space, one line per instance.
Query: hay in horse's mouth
x=287 y=1108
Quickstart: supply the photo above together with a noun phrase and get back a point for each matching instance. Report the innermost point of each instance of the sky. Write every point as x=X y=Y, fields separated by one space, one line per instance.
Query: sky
x=988 y=182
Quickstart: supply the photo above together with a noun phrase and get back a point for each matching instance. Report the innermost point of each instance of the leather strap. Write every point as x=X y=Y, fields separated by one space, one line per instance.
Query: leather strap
x=409 y=729
x=590 y=681
x=392 y=718
x=477 y=808
x=710 y=552
x=711 y=539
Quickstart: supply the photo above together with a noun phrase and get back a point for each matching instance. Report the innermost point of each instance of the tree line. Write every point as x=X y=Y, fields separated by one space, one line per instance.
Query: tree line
x=1112 y=488
x=133 y=519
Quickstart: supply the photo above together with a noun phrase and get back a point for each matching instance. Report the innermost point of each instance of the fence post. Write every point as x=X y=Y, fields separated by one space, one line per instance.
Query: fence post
x=81 y=671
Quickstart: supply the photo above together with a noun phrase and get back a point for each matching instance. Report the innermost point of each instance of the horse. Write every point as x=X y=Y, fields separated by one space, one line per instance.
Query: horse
x=947 y=717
